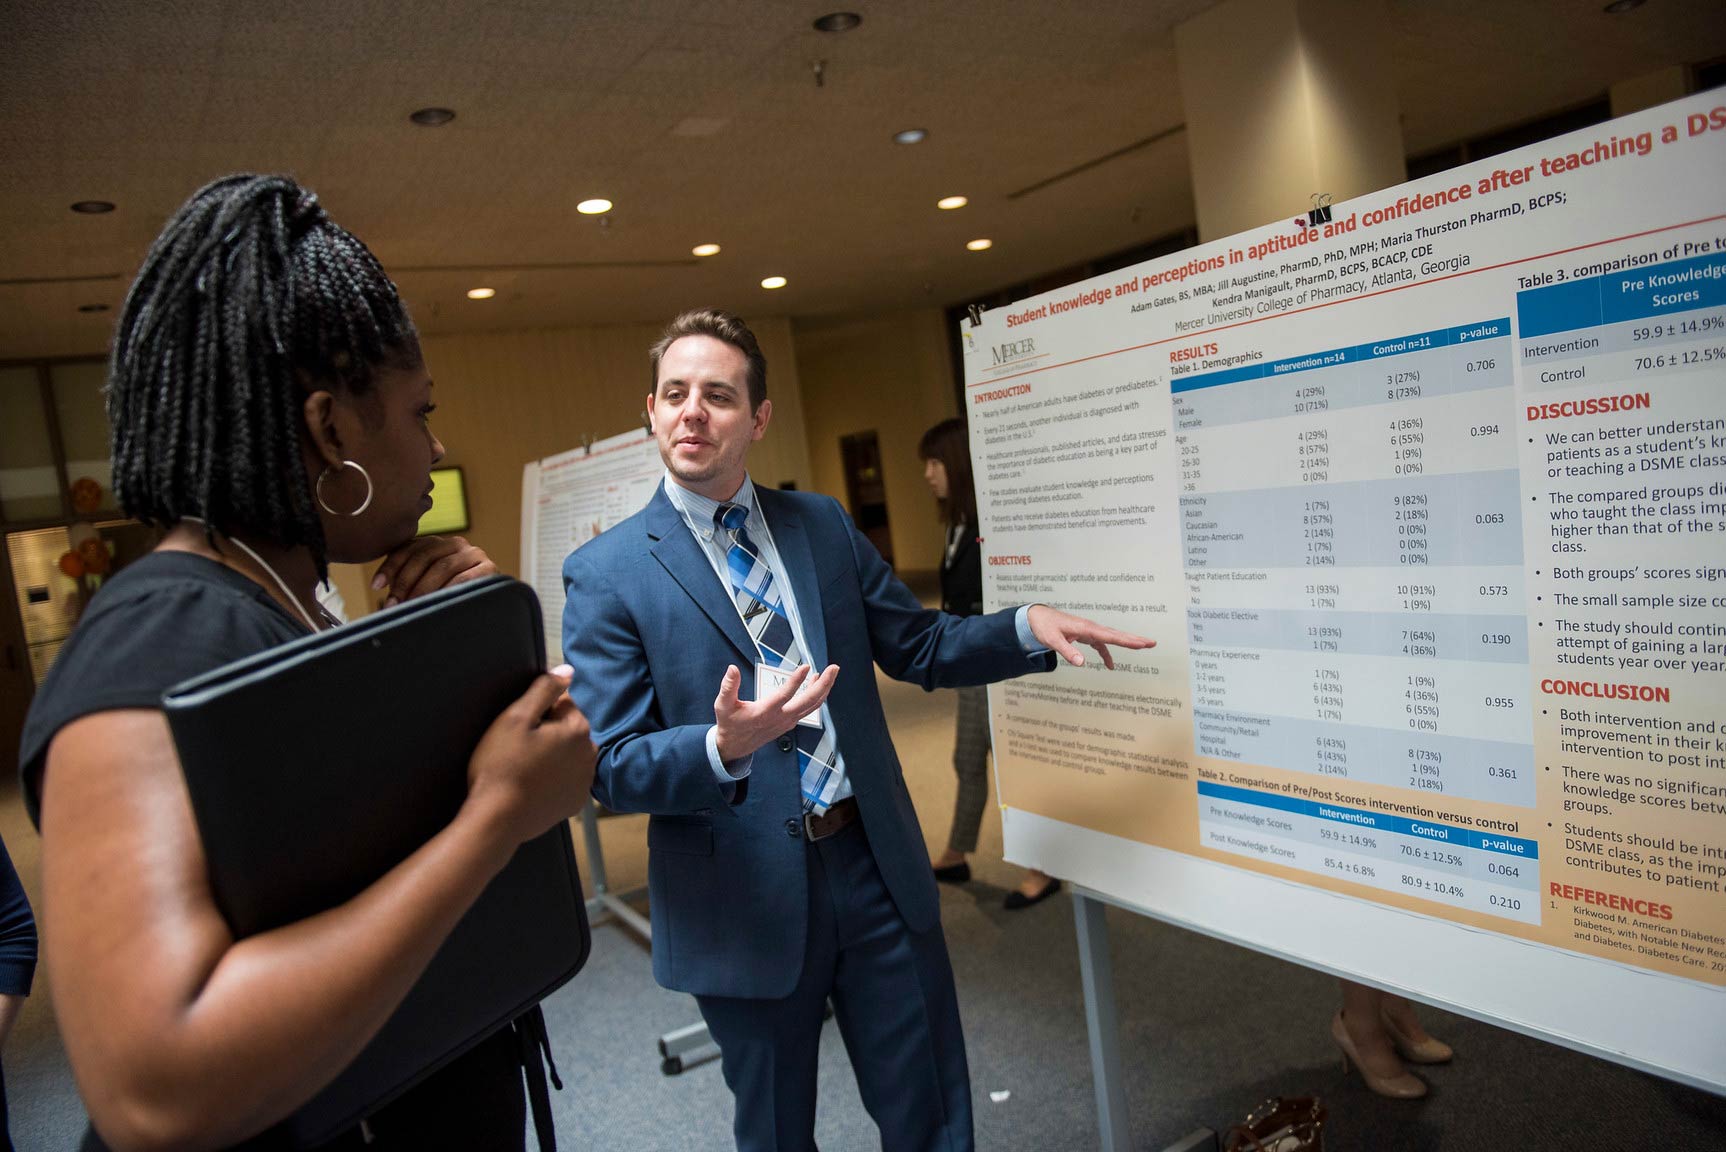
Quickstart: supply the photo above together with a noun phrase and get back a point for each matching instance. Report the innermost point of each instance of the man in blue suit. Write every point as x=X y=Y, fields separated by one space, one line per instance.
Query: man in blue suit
x=786 y=865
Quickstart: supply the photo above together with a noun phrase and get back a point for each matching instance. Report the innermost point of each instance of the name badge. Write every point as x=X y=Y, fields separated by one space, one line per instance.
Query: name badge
x=769 y=680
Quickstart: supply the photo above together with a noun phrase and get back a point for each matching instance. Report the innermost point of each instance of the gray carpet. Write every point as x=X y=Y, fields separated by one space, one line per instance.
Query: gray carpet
x=1207 y=1031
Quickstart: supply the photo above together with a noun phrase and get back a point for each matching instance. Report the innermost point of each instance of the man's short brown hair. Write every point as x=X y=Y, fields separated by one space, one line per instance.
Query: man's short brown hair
x=722 y=326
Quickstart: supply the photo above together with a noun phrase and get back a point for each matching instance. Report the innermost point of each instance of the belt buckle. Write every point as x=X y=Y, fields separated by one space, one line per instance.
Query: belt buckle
x=831 y=822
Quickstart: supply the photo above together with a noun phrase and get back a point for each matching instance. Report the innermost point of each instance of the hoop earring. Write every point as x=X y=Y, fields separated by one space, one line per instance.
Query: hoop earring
x=328 y=472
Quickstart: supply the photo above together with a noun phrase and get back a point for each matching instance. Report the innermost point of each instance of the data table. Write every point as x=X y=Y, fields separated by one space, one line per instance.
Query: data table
x=1352 y=542
x=1484 y=871
x=1660 y=320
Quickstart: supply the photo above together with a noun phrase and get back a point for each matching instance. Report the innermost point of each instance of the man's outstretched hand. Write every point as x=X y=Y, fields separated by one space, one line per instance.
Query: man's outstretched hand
x=1064 y=632
x=745 y=725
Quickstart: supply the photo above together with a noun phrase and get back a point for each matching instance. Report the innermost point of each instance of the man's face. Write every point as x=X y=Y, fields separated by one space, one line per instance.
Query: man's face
x=701 y=417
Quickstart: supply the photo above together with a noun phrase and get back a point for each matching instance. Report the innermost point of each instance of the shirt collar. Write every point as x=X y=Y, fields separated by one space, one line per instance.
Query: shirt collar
x=698 y=510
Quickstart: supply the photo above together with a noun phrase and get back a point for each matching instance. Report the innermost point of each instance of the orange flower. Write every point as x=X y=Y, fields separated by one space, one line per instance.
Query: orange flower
x=86 y=495
x=94 y=554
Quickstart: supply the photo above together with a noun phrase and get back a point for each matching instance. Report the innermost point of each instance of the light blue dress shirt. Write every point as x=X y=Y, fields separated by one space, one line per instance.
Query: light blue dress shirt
x=697 y=511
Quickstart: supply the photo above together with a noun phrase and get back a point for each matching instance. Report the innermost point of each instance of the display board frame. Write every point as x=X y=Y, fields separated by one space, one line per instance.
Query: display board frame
x=1625 y=1010
x=1389 y=948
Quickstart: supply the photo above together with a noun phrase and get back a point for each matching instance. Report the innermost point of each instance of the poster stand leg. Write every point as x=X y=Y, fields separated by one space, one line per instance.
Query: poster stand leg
x=1097 y=975
x=605 y=902
x=674 y=1046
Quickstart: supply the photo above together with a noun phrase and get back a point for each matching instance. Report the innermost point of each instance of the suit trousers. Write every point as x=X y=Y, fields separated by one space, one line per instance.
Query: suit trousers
x=898 y=1014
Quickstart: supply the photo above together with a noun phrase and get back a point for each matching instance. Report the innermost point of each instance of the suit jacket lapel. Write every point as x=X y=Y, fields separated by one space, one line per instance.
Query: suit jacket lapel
x=798 y=559
x=675 y=548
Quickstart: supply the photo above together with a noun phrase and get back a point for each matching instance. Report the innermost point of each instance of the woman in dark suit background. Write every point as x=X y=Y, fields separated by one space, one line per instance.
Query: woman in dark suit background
x=946 y=453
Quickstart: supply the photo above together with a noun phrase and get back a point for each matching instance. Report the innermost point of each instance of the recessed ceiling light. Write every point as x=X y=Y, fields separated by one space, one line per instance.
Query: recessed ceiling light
x=598 y=206
x=432 y=117
x=979 y=244
x=481 y=293
x=1619 y=7
x=92 y=307
x=948 y=203
x=838 y=22
x=705 y=250
x=910 y=136
x=773 y=282
x=93 y=207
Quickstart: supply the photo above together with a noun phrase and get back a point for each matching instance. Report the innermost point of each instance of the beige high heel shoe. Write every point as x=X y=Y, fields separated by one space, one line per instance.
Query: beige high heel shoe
x=1424 y=1051
x=1407 y=1086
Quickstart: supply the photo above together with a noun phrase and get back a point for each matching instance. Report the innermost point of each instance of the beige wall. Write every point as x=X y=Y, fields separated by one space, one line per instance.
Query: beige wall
x=506 y=398
x=1285 y=98
x=1651 y=88
x=890 y=372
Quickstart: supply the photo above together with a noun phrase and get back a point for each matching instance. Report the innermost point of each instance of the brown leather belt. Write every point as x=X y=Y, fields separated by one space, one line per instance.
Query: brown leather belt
x=840 y=815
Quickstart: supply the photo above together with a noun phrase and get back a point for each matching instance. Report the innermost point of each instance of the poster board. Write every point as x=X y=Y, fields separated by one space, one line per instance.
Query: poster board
x=568 y=499
x=1425 y=505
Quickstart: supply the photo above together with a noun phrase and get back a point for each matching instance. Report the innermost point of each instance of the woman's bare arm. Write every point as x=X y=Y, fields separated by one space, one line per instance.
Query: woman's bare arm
x=10 y=1007
x=178 y=1034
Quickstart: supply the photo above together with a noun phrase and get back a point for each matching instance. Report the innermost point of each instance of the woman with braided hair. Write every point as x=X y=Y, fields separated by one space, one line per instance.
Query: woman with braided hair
x=268 y=404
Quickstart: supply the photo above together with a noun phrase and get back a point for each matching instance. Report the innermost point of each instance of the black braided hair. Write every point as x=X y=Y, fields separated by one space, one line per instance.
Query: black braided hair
x=250 y=297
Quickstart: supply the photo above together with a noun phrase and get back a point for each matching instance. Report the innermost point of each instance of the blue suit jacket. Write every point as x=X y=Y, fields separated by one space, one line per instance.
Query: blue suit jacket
x=649 y=630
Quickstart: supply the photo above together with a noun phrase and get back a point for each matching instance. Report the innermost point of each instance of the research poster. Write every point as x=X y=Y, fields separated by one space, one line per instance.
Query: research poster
x=1425 y=506
x=568 y=499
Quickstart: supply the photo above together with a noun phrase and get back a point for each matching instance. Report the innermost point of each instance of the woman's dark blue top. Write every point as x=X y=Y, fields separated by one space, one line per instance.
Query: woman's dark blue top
x=17 y=932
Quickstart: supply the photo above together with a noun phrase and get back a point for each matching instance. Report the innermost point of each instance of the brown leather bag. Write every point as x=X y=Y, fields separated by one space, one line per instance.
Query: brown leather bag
x=1280 y=1124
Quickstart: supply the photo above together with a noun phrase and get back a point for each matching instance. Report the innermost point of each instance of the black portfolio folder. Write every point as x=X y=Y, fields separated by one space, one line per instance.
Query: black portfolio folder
x=316 y=767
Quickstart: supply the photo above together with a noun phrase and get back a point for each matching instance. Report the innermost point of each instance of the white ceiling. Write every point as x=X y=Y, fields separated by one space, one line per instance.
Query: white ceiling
x=701 y=120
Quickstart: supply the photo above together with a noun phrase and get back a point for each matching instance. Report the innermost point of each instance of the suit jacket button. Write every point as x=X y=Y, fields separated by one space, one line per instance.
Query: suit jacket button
x=793 y=829
x=785 y=743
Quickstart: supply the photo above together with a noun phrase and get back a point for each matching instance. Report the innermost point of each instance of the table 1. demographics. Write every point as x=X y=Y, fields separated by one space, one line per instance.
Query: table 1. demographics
x=1353 y=550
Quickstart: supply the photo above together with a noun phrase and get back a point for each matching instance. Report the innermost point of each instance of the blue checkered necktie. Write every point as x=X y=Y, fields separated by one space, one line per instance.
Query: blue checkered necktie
x=763 y=608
